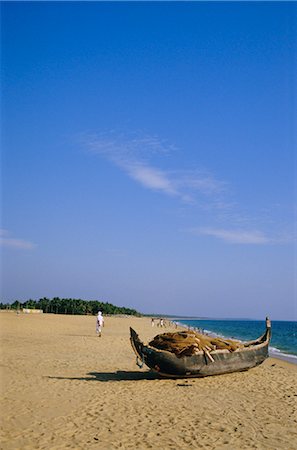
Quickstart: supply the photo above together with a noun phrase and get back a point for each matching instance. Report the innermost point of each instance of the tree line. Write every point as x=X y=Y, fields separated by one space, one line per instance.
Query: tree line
x=58 y=305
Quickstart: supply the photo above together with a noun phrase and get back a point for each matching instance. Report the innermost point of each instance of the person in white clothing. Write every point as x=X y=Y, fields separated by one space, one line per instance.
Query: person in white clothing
x=99 y=323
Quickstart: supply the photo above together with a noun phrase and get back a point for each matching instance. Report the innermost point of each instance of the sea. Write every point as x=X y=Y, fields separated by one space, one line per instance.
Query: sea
x=283 y=343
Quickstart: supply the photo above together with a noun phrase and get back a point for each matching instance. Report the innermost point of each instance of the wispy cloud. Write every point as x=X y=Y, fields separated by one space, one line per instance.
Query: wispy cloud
x=187 y=185
x=235 y=236
x=116 y=146
x=21 y=244
x=133 y=154
x=144 y=159
x=151 y=177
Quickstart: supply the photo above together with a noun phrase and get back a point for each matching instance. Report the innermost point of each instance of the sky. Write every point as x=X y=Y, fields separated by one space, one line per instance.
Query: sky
x=148 y=155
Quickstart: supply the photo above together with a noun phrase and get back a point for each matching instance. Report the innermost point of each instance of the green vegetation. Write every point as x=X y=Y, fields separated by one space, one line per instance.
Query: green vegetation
x=58 y=305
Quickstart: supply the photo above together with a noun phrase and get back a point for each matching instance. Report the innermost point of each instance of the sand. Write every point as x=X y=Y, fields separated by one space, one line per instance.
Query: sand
x=63 y=387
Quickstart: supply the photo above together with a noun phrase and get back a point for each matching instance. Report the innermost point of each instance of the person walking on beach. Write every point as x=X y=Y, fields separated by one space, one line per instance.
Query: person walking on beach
x=99 y=323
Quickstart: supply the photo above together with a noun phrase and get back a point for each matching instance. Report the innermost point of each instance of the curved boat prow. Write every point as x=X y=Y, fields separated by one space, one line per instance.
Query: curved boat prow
x=138 y=347
x=136 y=343
x=265 y=337
x=268 y=329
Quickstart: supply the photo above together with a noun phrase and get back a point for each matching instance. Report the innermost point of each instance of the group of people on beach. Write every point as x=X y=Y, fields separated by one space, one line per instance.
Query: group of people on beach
x=162 y=323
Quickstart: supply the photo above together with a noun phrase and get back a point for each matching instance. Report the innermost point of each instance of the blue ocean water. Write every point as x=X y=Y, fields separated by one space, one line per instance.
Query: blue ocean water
x=284 y=334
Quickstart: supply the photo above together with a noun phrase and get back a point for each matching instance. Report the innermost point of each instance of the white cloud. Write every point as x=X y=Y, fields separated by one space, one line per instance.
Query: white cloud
x=235 y=236
x=151 y=178
x=132 y=154
x=138 y=156
x=199 y=181
x=116 y=146
x=16 y=243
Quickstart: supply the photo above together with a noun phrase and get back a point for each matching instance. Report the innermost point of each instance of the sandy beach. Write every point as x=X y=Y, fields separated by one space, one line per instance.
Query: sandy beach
x=63 y=387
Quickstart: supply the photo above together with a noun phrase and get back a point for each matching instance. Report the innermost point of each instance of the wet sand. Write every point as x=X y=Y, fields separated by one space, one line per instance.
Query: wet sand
x=63 y=387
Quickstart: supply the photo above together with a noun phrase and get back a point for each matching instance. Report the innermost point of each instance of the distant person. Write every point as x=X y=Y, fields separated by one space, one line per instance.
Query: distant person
x=99 y=323
x=153 y=322
x=161 y=323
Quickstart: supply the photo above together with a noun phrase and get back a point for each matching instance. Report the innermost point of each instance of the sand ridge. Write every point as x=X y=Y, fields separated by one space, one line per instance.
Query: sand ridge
x=63 y=387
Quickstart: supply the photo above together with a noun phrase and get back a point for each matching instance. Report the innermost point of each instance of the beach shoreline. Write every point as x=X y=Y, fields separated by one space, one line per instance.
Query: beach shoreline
x=290 y=359
x=63 y=387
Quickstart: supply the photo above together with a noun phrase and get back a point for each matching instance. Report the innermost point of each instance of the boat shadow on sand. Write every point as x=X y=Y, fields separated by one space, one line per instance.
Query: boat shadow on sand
x=119 y=375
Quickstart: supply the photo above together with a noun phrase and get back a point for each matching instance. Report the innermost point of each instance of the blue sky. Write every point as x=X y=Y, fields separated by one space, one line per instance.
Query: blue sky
x=148 y=155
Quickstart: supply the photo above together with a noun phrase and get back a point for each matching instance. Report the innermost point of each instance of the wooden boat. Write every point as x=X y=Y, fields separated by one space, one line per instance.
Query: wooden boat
x=251 y=354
